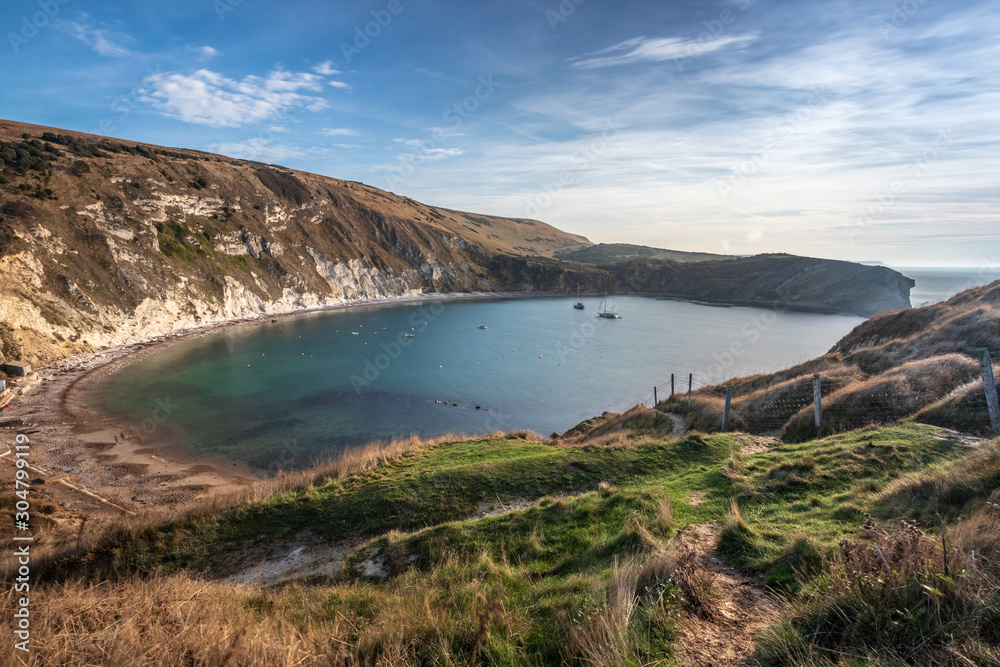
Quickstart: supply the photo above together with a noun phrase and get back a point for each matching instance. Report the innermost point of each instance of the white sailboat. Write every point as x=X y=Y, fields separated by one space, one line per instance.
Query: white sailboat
x=579 y=304
x=603 y=310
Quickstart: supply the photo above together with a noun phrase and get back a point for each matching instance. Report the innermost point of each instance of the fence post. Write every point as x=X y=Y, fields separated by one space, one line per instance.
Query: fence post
x=671 y=385
x=655 y=402
x=818 y=401
x=725 y=412
x=690 y=382
x=990 y=387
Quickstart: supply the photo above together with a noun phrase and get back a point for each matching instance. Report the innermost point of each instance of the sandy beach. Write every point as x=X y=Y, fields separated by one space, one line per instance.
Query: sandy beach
x=82 y=468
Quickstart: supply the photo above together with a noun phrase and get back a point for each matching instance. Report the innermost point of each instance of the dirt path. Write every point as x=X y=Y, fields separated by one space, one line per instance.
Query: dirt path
x=680 y=423
x=725 y=636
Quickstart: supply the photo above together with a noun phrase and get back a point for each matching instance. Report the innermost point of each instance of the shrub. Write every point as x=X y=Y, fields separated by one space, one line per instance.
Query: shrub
x=888 y=597
x=79 y=168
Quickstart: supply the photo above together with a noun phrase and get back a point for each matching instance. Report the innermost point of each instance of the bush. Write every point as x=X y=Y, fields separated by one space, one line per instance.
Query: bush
x=79 y=168
x=888 y=598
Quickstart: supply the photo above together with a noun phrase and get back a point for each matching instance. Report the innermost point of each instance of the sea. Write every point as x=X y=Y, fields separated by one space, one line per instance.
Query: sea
x=282 y=395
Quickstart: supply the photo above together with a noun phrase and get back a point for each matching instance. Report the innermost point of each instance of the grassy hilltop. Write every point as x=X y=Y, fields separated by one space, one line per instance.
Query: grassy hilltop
x=620 y=543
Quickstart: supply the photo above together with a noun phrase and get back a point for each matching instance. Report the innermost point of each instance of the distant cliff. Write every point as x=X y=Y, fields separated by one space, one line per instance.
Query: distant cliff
x=776 y=281
x=104 y=241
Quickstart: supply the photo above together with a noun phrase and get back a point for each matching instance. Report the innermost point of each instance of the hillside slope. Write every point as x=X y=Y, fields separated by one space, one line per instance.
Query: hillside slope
x=104 y=242
x=920 y=363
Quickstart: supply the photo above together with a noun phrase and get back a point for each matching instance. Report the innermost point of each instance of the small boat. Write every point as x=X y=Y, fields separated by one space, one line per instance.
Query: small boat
x=355 y=333
x=482 y=326
x=603 y=310
x=409 y=335
x=579 y=304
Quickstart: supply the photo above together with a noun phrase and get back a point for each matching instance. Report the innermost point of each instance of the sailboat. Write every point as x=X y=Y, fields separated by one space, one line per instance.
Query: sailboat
x=579 y=304
x=603 y=311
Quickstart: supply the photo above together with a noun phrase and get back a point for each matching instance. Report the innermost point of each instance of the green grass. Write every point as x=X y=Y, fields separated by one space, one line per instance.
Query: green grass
x=561 y=579
x=444 y=484
x=820 y=489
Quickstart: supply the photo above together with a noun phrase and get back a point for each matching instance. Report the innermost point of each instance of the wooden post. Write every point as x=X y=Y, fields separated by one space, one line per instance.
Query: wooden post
x=690 y=382
x=818 y=401
x=725 y=412
x=990 y=387
x=655 y=402
x=671 y=385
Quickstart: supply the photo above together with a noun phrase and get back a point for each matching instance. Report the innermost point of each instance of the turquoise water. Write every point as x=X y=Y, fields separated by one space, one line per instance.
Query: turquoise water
x=280 y=395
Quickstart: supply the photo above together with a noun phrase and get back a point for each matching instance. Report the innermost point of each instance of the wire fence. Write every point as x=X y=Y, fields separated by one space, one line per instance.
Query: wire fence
x=844 y=404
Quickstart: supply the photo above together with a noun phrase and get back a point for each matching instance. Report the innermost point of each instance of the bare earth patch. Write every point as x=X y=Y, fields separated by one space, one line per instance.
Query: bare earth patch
x=724 y=638
x=755 y=444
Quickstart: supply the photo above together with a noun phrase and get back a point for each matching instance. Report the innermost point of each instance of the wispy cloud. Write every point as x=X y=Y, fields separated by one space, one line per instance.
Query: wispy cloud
x=425 y=150
x=204 y=52
x=209 y=98
x=326 y=69
x=98 y=39
x=263 y=150
x=340 y=84
x=642 y=49
x=338 y=132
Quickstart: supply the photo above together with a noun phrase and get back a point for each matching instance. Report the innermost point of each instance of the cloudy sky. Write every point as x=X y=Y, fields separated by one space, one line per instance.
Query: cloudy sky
x=852 y=130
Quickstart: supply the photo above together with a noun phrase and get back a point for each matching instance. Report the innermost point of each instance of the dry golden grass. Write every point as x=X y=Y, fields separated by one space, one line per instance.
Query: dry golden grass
x=638 y=423
x=603 y=639
x=964 y=487
x=899 y=596
x=891 y=367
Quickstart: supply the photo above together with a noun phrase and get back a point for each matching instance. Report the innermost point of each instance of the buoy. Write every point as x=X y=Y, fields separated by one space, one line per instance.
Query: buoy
x=539 y=356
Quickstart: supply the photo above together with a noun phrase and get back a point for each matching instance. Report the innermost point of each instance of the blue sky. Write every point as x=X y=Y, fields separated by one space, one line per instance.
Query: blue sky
x=851 y=130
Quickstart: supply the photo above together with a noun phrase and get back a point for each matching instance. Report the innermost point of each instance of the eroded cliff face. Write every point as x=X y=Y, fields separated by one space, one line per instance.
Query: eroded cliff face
x=104 y=242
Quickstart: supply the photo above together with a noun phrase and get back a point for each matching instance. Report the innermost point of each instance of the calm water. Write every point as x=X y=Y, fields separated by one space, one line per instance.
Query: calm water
x=279 y=395
x=939 y=284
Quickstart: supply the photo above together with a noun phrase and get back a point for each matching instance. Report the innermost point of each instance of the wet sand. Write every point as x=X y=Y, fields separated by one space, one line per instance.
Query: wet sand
x=73 y=448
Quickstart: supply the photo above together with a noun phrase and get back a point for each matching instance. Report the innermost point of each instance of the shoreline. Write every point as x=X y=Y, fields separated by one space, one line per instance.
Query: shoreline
x=150 y=468
x=73 y=440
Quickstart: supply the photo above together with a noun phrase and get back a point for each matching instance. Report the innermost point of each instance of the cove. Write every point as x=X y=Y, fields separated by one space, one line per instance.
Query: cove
x=280 y=395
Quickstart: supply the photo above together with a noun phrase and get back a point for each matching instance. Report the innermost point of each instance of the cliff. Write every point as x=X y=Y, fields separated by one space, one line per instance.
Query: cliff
x=104 y=242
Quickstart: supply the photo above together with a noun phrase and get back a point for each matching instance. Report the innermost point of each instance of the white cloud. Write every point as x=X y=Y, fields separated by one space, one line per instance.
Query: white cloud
x=206 y=51
x=338 y=132
x=326 y=69
x=641 y=49
x=340 y=84
x=97 y=39
x=209 y=98
x=259 y=149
